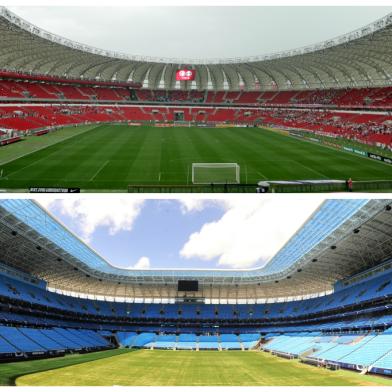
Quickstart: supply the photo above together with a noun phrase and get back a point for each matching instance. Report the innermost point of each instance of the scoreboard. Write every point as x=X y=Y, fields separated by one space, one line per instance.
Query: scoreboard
x=185 y=74
x=188 y=285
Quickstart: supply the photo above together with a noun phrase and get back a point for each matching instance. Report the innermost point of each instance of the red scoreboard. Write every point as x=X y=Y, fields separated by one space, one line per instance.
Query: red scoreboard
x=185 y=74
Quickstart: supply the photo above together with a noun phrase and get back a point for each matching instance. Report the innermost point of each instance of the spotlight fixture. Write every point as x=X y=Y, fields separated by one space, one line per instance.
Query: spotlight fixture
x=356 y=231
x=388 y=207
x=38 y=247
x=314 y=260
x=333 y=247
x=14 y=232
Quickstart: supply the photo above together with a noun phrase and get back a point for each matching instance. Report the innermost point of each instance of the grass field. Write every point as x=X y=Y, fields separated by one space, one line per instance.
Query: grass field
x=114 y=156
x=9 y=372
x=167 y=368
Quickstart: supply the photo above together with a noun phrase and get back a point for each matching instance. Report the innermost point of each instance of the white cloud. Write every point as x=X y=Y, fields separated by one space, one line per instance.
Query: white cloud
x=92 y=213
x=190 y=204
x=250 y=232
x=143 y=263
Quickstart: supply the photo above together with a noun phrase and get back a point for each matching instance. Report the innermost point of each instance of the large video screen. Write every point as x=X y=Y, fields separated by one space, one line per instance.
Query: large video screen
x=185 y=74
x=188 y=285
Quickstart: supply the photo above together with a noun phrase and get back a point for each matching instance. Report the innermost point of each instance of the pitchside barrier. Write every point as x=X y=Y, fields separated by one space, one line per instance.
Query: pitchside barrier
x=325 y=186
x=274 y=187
x=206 y=188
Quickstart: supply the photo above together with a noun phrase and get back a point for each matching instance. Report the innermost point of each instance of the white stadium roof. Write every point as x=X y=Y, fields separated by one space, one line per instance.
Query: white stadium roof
x=361 y=58
x=340 y=239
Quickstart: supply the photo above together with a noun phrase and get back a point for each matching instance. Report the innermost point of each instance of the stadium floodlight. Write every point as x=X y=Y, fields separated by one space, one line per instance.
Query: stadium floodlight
x=215 y=173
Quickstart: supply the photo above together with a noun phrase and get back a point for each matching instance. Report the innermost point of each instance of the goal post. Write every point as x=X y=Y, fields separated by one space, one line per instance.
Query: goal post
x=215 y=173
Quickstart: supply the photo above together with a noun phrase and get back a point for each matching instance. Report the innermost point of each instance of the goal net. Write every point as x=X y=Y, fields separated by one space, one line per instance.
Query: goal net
x=215 y=173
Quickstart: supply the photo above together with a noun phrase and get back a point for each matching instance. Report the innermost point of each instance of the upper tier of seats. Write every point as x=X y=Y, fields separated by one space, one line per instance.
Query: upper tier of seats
x=344 y=98
x=49 y=90
x=377 y=288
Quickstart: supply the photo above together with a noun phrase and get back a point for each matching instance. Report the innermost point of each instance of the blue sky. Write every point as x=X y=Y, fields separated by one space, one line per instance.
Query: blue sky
x=183 y=233
x=158 y=233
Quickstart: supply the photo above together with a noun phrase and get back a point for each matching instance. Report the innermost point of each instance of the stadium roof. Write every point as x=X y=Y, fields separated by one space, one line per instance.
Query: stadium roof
x=34 y=242
x=361 y=58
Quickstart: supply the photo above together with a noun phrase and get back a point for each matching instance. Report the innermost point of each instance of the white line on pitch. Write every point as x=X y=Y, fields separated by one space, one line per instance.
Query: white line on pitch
x=159 y=177
x=262 y=175
x=32 y=163
x=45 y=146
x=97 y=172
x=311 y=169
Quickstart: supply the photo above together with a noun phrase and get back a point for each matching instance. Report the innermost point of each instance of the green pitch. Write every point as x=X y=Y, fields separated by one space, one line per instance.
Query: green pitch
x=115 y=156
x=167 y=368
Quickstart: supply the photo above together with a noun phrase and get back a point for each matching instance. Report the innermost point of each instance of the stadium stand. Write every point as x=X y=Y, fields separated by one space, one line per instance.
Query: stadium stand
x=186 y=342
x=27 y=90
x=354 y=104
x=342 y=318
x=367 y=128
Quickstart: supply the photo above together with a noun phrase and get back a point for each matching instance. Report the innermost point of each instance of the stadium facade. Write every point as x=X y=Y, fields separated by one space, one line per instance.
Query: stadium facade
x=328 y=301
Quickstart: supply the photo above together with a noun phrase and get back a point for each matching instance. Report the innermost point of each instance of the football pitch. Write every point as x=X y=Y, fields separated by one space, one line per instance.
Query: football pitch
x=112 y=157
x=176 y=368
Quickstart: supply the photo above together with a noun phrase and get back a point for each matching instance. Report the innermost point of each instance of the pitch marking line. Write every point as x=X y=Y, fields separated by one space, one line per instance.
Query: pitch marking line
x=43 y=147
x=314 y=171
x=32 y=163
x=262 y=175
x=159 y=177
x=99 y=170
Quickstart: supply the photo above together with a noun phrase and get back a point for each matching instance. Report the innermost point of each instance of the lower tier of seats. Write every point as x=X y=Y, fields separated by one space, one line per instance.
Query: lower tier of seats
x=188 y=341
x=32 y=342
x=364 y=127
x=368 y=350
x=363 y=351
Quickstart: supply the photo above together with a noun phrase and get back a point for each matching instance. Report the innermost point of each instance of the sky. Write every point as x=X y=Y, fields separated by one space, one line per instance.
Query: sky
x=184 y=233
x=200 y=32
